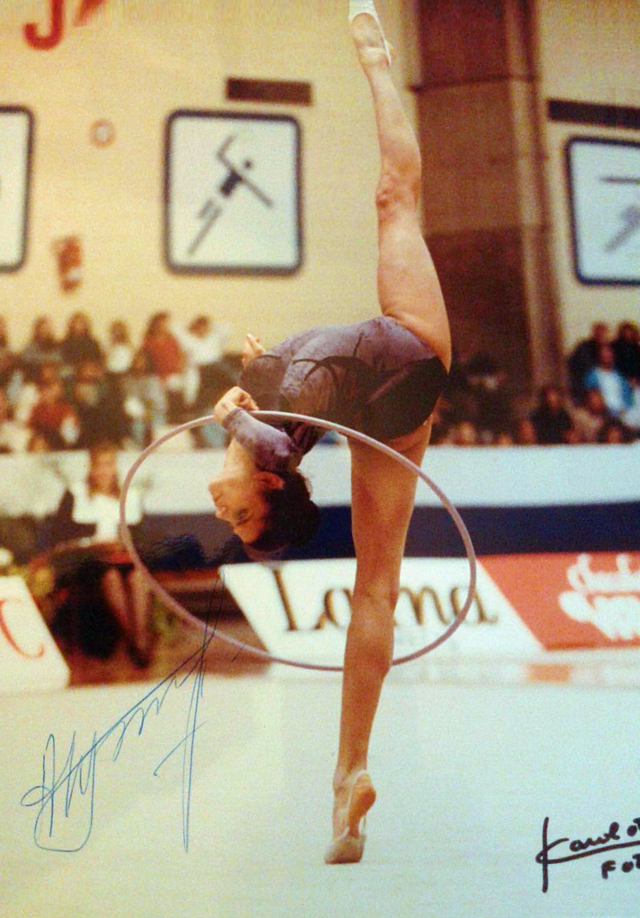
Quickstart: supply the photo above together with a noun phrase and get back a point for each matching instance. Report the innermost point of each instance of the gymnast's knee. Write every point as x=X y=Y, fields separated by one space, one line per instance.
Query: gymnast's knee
x=370 y=646
x=397 y=190
x=371 y=629
x=378 y=595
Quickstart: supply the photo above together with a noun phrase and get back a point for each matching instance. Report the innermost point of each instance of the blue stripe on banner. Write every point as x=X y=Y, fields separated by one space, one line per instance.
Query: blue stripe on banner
x=494 y=531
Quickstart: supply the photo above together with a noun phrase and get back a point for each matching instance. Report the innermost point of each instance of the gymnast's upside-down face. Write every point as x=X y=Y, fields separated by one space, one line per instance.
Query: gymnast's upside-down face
x=240 y=501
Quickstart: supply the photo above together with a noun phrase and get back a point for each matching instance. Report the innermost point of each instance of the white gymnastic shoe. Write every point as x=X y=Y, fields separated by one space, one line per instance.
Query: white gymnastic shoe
x=357 y=8
x=348 y=847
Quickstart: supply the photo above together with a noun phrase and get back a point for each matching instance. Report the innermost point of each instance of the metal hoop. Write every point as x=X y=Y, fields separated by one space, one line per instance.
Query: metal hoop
x=186 y=616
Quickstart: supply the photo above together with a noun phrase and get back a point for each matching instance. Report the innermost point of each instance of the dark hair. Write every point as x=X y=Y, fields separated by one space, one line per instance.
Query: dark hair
x=95 y=452
x=293 y=517
x=154 y=323
x=613 y=425
x=73 y=319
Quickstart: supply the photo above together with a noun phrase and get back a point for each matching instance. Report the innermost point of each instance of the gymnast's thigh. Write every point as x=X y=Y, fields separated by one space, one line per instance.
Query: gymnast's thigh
x=408 y=287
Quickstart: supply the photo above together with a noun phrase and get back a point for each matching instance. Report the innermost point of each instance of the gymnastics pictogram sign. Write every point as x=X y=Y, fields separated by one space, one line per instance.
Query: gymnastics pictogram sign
x=232 y=195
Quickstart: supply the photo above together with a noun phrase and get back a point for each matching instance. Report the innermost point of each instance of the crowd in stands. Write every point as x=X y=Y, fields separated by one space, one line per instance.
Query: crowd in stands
x=602 y=404
x=74 y=392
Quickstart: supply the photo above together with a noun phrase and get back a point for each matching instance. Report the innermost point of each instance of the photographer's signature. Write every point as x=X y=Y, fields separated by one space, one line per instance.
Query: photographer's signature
x=613 y=839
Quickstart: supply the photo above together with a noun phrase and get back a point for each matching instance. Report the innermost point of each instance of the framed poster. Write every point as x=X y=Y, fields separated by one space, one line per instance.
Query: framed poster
x=16 y=128
x=604 y=196
x=232 y=193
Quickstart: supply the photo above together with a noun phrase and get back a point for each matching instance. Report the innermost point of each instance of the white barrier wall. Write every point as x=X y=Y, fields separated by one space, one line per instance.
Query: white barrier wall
x=471 y=477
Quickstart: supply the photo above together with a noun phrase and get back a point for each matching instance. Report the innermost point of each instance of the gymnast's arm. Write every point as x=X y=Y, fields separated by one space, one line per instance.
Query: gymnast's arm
x=269 y=447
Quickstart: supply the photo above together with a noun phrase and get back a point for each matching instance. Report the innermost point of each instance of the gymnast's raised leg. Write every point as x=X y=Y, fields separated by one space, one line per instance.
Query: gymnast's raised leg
x=383 y=492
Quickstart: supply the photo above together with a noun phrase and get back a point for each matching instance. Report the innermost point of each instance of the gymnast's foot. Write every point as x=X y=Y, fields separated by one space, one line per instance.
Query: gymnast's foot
x=366 y=31
x=353 y=799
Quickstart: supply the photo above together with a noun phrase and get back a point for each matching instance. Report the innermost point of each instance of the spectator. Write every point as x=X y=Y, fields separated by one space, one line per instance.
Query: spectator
x=53 y=416
x=14 y=437
x=487 y=383
x=440 y=421
x=203 y=346
x=584 y=358
x=615 y=389
x=99 y=411
x=120 y=351
x=144 y=400
x=38 y=443
x=550 y=418
x=79 y=345
x=163 y=348
x=7 y=358
x=167 y=358
x=525 y=433
x=42 y=348
x=466 y=434
x=626 y=350
x=26 y=396
x=570 y=437
x=106 y=578
x=612 y=433
x=503 y=438
x=631 y=417
x=590 y=417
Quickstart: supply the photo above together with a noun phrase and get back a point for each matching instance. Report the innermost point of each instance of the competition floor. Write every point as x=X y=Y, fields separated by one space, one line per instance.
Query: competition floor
x=465 y=776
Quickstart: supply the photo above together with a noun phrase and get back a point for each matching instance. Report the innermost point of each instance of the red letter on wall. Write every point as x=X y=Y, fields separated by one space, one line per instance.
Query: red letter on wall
x=45 y=42
x=4 y=628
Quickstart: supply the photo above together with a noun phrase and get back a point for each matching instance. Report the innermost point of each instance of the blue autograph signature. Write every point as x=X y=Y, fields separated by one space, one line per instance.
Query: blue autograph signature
x=54 y=796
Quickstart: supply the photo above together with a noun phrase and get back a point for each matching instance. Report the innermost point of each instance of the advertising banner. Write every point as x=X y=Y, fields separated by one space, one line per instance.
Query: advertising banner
x=568 y=600
x=29 y=658
x=528 y=610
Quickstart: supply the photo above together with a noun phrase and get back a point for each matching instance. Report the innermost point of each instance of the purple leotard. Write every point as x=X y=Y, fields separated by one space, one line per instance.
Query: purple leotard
x=376 y=377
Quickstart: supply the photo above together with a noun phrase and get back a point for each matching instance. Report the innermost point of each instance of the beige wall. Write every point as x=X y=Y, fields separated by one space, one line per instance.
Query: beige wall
x=590 y=52
x=134 y=63
x=137 y=61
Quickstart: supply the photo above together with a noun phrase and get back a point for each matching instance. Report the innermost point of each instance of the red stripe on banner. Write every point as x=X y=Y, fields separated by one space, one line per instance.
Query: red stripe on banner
x=570 y=600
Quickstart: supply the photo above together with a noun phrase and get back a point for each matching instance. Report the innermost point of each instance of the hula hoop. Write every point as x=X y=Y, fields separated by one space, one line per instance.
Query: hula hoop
x=190 y=620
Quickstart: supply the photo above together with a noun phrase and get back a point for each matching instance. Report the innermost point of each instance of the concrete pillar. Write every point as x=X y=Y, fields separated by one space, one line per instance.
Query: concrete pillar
x=483 y=196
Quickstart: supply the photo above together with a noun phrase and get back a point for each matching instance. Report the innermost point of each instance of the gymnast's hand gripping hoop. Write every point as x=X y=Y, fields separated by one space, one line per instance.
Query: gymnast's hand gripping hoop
x=190 y=620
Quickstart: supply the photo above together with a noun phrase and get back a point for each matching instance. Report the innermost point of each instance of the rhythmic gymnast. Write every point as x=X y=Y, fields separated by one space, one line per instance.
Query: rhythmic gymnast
x=381 y=377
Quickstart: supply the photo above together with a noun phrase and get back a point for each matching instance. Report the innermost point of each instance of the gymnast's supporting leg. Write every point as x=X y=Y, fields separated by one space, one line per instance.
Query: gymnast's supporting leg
x=383 y=494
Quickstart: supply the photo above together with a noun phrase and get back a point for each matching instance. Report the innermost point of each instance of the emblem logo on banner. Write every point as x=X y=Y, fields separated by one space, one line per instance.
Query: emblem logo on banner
x=610 y=600
x=570 y=600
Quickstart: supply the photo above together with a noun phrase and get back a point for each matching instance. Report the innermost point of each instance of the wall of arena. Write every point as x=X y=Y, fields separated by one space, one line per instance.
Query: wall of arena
x=133 y=63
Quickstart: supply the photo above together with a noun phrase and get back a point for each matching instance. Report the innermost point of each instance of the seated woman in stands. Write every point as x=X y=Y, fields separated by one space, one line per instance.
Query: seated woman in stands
x=105 y=579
